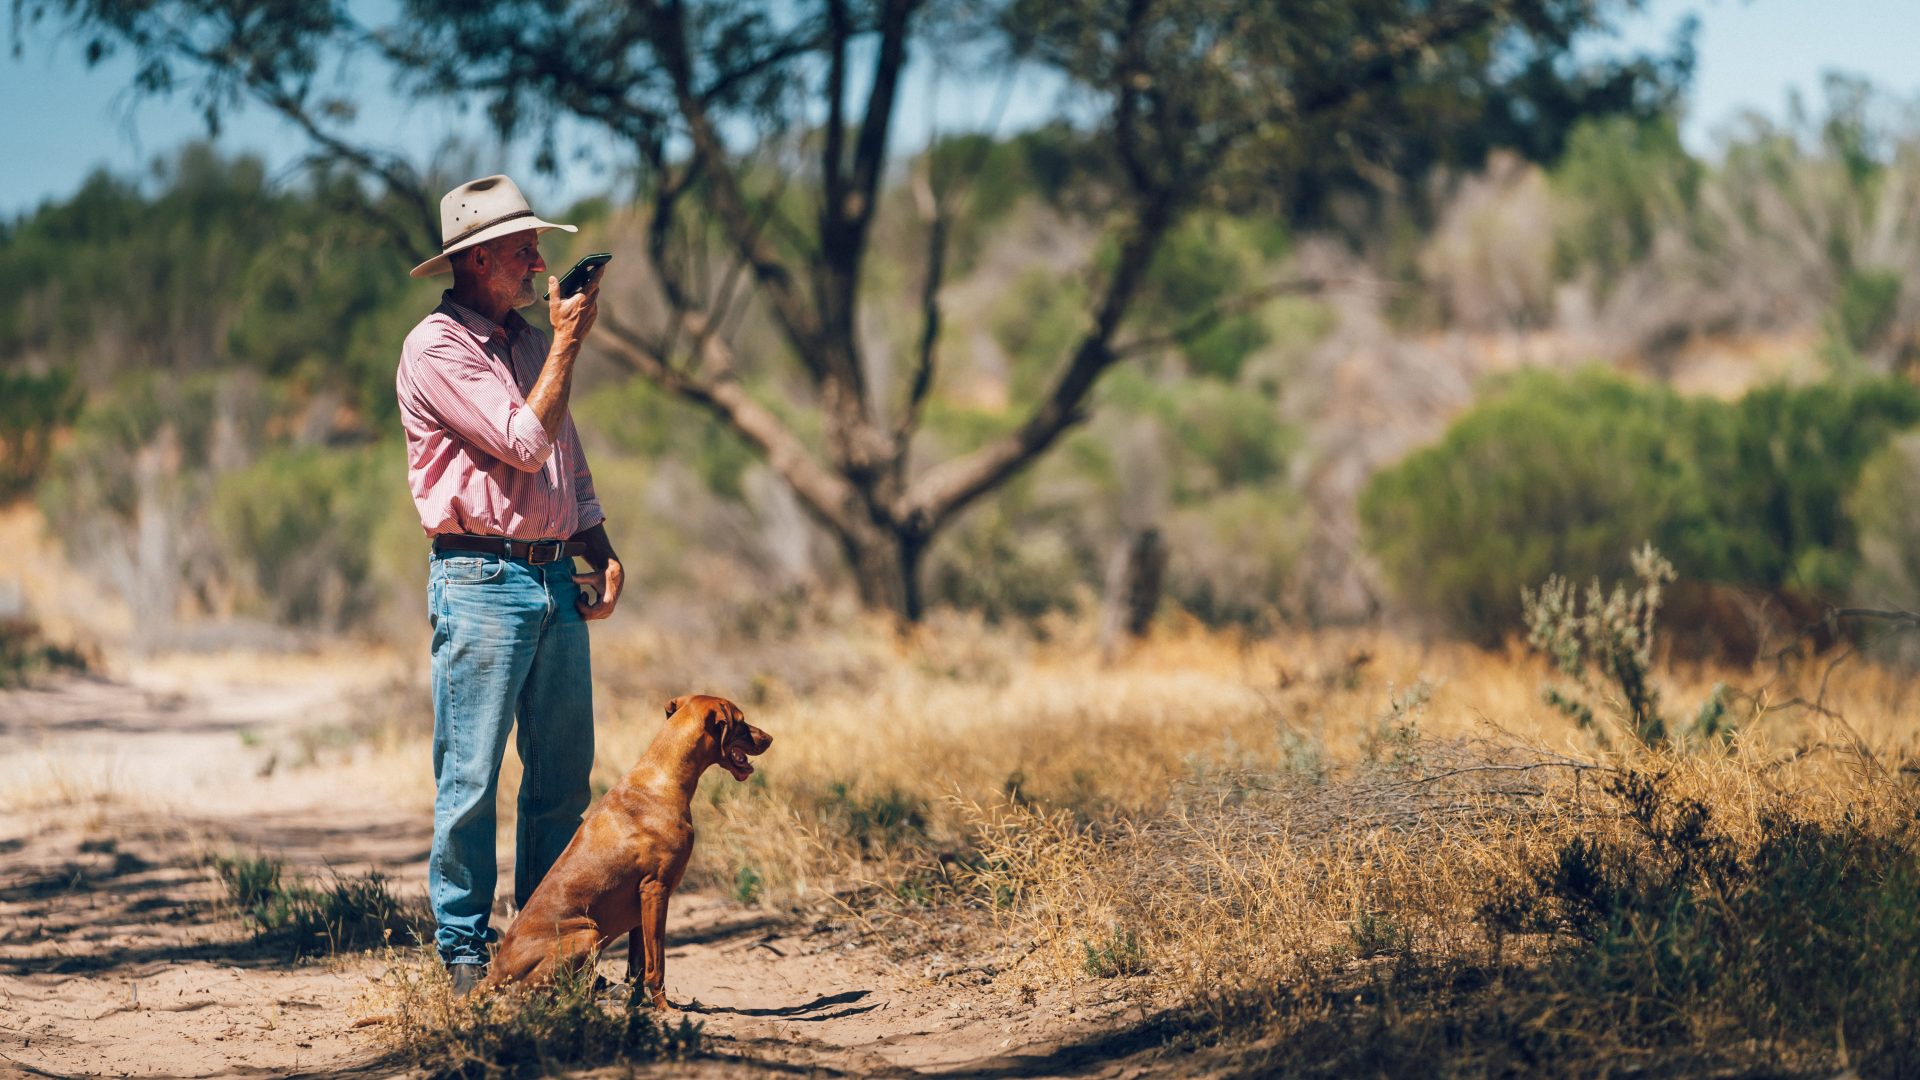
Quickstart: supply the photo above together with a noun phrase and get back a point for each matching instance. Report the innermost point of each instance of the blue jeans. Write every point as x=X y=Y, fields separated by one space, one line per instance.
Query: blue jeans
x=507 y=641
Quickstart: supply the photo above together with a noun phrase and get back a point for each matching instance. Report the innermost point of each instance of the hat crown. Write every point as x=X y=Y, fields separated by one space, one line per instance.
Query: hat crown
x=478 y=211
x=477 y=204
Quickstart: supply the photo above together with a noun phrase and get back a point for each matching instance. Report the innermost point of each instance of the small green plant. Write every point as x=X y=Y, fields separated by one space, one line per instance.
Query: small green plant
x=917 y=889
x=880 y=820
x=1119 y=954
x=1604 y=645
x=1712 y=723
x=252 y=881
x=747 y=884
x=1395 y=738
x=347 y=914
x=1378 y=933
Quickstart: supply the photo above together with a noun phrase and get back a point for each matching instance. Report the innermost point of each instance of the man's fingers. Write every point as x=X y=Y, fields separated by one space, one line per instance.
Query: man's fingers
x=595 y=584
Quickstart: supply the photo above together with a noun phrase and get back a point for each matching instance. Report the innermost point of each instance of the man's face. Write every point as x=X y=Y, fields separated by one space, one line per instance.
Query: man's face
x=516 y=263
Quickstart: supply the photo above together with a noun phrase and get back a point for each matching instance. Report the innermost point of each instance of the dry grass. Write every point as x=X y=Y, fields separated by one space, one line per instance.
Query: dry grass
x=1343 y=843
x=516 y=1032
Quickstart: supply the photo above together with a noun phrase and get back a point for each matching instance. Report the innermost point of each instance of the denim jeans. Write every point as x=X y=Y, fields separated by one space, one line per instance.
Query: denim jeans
x=507 y=641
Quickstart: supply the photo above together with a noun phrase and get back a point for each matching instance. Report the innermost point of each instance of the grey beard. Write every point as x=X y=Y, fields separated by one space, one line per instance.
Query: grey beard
x=526 y=295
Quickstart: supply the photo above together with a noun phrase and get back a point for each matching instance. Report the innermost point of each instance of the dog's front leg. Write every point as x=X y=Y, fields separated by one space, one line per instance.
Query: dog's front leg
x=649 y=941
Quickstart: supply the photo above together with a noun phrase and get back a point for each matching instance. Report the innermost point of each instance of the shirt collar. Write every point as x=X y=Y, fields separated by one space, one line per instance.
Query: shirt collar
x=477 y=324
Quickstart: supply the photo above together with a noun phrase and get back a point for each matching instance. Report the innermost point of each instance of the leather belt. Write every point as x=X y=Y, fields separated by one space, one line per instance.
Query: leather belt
x=533 y=551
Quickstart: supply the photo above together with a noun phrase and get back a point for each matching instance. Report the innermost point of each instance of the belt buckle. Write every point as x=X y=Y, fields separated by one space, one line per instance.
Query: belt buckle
x=534 y=546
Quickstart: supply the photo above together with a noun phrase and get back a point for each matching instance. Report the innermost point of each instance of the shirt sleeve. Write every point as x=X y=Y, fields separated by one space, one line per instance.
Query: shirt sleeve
x=475 y=399
x=586 y=503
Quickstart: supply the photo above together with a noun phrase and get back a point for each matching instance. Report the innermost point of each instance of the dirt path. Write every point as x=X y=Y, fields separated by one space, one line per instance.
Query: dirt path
x=117 y=957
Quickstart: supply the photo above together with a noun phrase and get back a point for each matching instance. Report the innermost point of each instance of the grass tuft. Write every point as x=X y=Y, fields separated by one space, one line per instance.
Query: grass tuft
x=574 y=1023
x=25 y=653
x=346 y=914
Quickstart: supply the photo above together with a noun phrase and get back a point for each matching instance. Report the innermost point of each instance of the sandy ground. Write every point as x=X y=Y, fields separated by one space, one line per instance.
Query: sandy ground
x=118 y=958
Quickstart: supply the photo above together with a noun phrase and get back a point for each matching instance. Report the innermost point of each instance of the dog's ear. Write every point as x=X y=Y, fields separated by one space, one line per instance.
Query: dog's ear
x=672 y=706
x=717 y=720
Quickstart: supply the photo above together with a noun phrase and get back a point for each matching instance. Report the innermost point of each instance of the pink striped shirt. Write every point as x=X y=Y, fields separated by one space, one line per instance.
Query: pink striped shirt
x=478 y=459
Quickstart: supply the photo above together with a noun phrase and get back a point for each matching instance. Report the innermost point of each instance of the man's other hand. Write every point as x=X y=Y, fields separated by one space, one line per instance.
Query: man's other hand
x=606 y=585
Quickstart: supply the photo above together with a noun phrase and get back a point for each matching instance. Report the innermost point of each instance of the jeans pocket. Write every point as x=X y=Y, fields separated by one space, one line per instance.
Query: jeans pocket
x=476 y=569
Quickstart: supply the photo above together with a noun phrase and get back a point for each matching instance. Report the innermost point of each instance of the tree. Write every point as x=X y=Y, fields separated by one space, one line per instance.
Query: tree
x=728 y=104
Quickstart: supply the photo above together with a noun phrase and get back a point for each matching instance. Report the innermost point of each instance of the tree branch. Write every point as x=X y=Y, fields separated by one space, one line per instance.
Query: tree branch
x=870 y=151
x=832 y=154
x=827 y=496
x=938 y=204
x=798 y=321
x=399 y=177
x=950 y=486
x=932 y=207
x=1374 y=62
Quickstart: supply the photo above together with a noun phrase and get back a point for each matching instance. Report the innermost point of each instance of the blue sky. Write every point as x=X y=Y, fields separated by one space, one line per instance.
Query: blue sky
x=64 y=120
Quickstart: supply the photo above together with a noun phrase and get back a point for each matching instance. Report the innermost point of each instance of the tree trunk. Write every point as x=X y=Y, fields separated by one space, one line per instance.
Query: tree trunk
x=886 y=568
x=1134 y=585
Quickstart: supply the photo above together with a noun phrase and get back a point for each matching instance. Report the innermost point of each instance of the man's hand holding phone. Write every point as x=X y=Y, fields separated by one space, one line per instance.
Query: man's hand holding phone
x=573 y=301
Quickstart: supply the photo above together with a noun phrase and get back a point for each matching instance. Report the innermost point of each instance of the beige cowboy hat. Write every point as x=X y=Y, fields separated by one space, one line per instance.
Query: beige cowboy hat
x=478 y=211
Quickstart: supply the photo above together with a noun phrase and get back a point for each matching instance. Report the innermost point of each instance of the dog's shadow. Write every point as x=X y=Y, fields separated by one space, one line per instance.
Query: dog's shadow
x=813 y=1011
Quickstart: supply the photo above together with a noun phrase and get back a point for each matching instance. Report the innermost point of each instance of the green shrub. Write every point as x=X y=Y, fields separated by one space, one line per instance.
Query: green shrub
x=1864 y=311
x=1780 y=476
x=1008 y=574
x=1884 y=507
x=1619 y=180
x=129 y=492
x=305 y=528
x=747 y=884
x=1221 y=436
x=1547 y=475
x=1806 y=937
x=215 y=266
x=1205 y=261
x=1565 y=475
x=33 y=408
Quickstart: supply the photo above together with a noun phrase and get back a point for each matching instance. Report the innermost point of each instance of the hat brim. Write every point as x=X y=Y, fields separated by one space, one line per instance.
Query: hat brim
x=439 y=264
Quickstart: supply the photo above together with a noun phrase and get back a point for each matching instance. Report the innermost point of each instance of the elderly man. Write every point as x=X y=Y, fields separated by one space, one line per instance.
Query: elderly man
x=503 y=490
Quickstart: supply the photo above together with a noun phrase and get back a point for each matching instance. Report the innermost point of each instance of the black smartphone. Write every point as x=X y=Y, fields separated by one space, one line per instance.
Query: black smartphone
x=581 y=273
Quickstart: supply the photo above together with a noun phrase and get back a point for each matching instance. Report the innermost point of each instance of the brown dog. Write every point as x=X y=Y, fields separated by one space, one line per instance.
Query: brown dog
x=629 y=853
